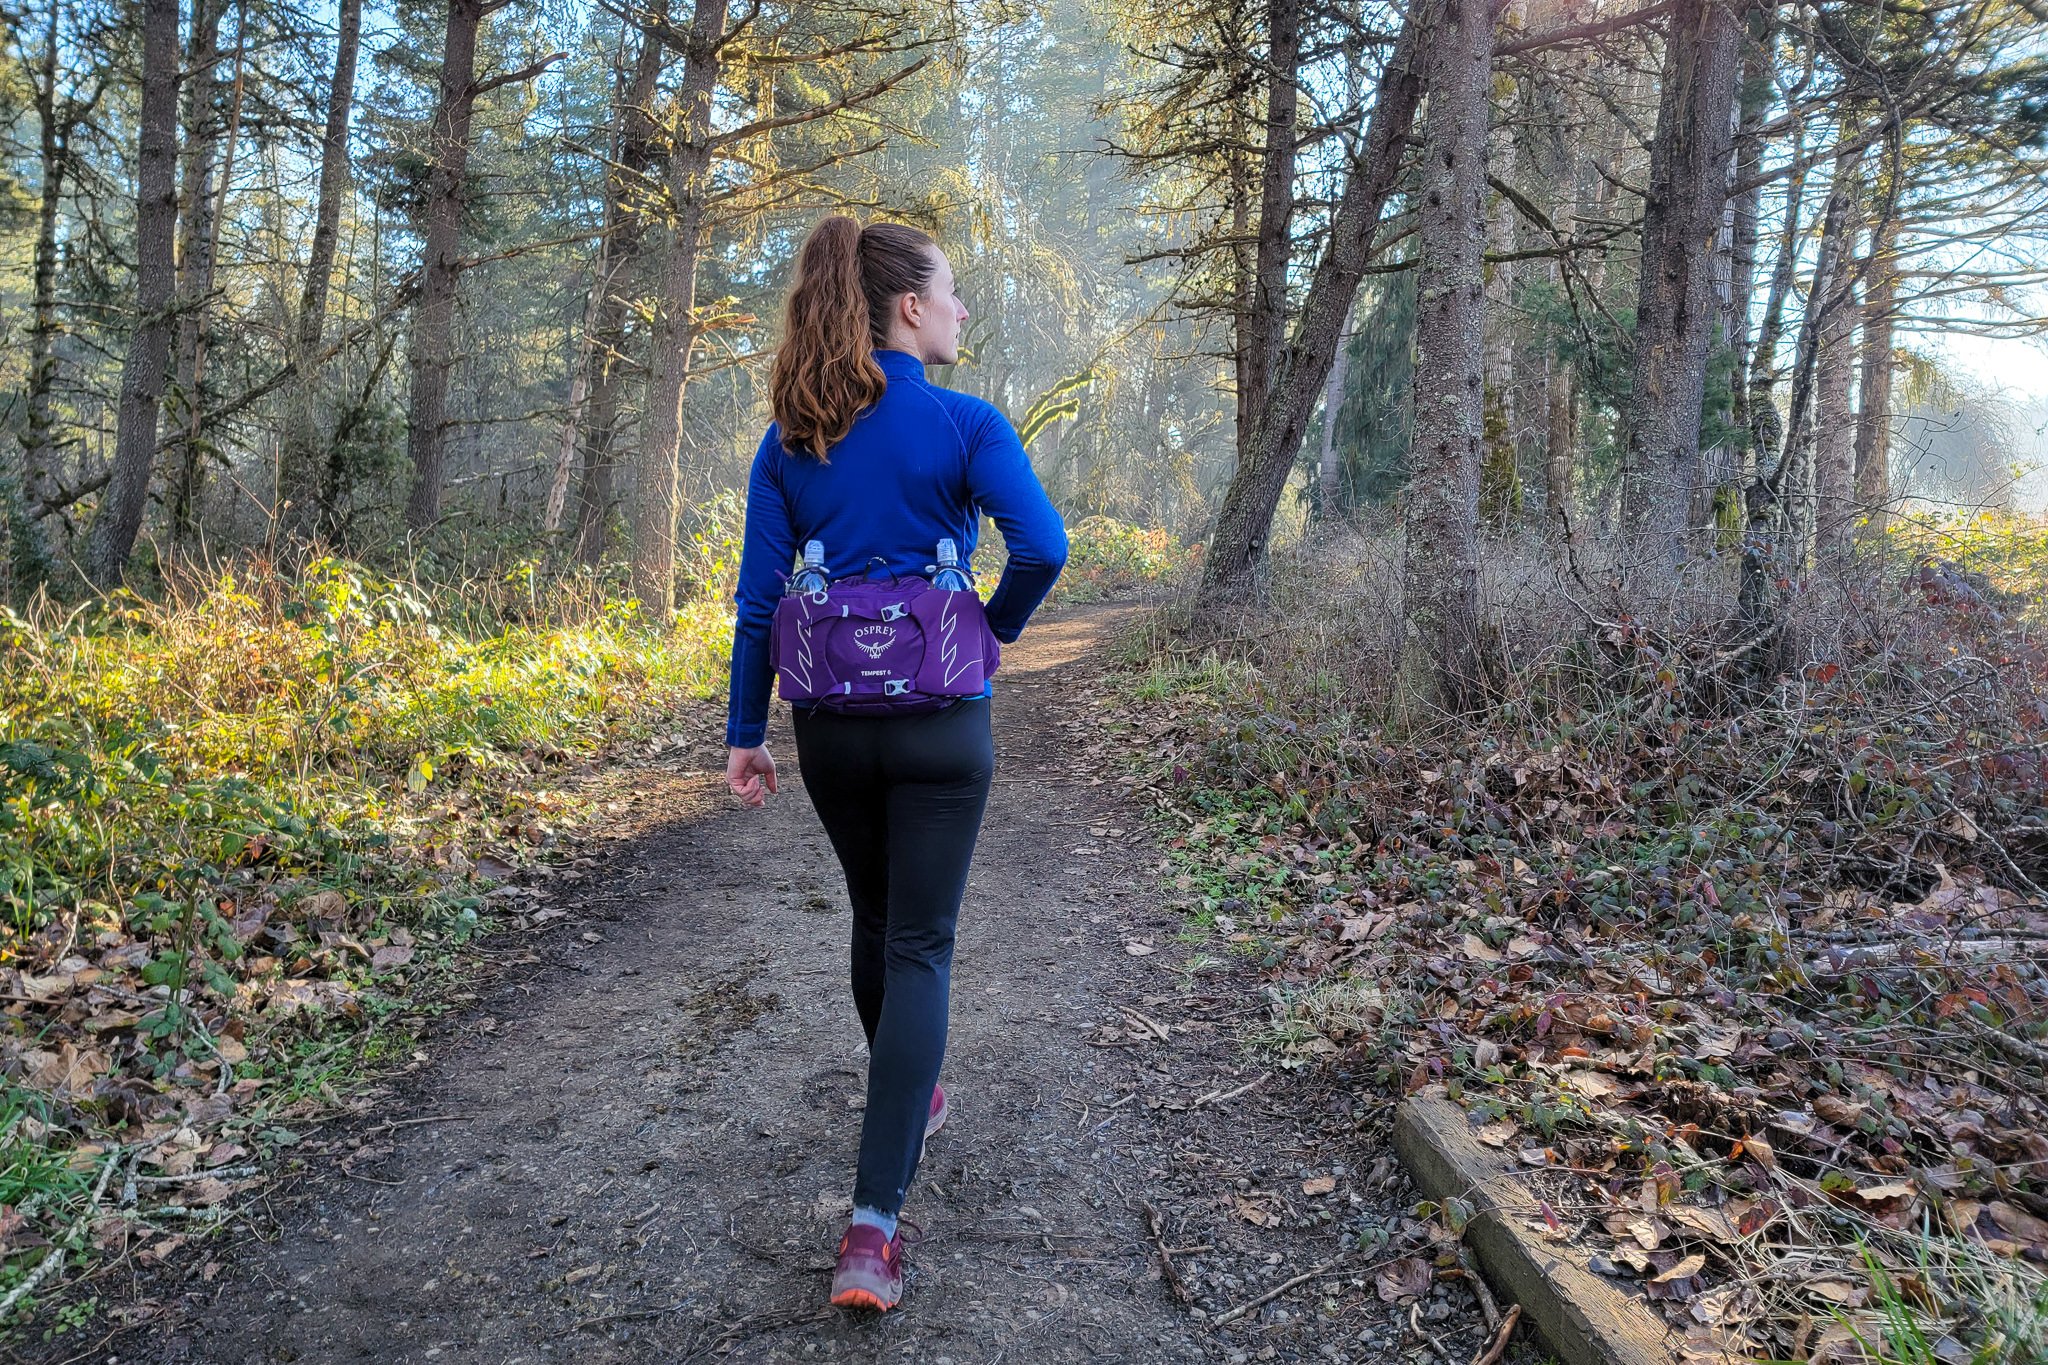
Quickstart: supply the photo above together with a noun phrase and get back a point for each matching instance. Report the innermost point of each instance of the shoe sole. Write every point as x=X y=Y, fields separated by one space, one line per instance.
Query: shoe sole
x=861 y=1298
x=872 y=1292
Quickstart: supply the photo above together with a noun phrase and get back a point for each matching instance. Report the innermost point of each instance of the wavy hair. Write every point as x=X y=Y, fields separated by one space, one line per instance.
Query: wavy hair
x=848 y=279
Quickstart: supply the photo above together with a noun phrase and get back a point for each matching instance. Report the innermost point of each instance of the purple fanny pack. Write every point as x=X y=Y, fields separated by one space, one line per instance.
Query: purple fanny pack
x=878 y=647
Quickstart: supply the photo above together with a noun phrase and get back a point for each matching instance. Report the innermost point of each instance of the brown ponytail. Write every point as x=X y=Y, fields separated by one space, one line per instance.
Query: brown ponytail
x=848 y=279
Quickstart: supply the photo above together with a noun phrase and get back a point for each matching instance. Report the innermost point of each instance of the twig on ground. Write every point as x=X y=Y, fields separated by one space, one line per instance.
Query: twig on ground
x=773 y=1319
x=1144 y=1021
x=390 y=1124
x=217 y=1173
x=1233 y=1314
x=1500 y=1336
x=629 y=1315
x=1224 y=1097
x=2019 y=1049
x=1424 y=1334
x=1487 y=1307
x=1156 y=1226
x=56 y=1252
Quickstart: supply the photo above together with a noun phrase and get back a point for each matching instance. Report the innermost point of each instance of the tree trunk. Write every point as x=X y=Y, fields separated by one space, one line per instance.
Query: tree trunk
x=27 y=553
x=1328 y=466
x=1558 y=449
x=653 y=506
x=1265 y=324
x=579 y=388
x=1766 y=429
x=1440 y=657
x=1245 y=519
x=1755 y=100
x=183 y=411
x=433 y=321
x=1539 y=172
x=1834 y=424
x=1779 y=513
x=1689 y=158
x=626 y=224
x=119 y=519
x=1874 y=422
x=303 y=510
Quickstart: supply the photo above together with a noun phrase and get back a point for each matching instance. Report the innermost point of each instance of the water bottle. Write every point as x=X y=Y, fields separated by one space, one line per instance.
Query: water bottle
x=951 y=576
x=811 y=577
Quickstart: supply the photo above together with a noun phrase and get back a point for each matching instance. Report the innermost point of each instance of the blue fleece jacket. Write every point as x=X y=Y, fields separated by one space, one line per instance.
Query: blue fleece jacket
x=922 y=464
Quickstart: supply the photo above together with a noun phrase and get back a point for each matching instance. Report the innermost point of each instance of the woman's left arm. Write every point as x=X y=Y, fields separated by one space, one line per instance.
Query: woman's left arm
x=767 y=553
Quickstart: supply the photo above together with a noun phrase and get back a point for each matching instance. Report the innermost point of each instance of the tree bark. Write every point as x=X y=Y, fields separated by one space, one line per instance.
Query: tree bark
x=1559 y=446
x=1328 y=484
x=1689 y=159
x=1245 y=519
x=626 y=229
x=184 y=412
x=119 y=519
x=433 y=325
x=579 y=389
x=1265 y=322
x=1766 y=428
x=1779 y=504
x=1754 y=102
x=1834 y=424
x=1440 y=654
x=1874 y=422
x=654 y=503
x=28 y=554
x=304 y=507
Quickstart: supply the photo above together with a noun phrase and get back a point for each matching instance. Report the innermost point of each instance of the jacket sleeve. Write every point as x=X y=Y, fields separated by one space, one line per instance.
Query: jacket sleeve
x=767 y=553
x=1003 y=483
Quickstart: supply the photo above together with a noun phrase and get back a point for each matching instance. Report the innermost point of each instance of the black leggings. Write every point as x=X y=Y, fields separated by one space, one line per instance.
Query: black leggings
x=901 y=798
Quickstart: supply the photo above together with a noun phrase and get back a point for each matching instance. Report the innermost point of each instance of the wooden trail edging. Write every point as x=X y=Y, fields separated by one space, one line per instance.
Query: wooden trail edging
x=1582 y=1317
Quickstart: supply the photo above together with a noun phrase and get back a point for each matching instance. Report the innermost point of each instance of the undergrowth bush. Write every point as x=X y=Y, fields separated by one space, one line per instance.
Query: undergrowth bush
x=1699 y=944
x=236 y=817
x=1106 y=556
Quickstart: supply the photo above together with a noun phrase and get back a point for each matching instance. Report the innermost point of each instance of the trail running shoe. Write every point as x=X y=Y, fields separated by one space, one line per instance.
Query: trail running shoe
x=939 y=1111
x=870 y=1273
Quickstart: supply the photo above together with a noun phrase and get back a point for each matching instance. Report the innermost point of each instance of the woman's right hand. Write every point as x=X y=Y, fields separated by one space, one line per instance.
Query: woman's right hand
x=751 y=774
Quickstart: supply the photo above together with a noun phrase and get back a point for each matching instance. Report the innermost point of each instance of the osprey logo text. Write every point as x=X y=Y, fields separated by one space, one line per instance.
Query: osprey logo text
x=875 y=639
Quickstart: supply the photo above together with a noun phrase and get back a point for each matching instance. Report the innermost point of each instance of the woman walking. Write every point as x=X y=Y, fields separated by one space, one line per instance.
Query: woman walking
x=878 y=465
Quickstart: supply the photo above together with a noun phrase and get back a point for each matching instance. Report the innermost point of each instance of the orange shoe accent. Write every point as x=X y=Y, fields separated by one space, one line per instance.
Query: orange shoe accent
x=860 y=1298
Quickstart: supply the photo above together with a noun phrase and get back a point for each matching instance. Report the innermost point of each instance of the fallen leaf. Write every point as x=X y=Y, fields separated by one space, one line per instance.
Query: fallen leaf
x=1138 y=947
x=324 y=905
x=1689 y=1265
x=1321 y=1184
x=1835 y=1291
x=2020 y=1224
x=1407 y=1278
x=1594 y=1085
x=1714 y=1223
x=1478 y=949
x=387 y=959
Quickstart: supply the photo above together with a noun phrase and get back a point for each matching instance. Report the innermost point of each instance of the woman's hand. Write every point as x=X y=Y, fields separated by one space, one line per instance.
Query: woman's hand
x=751 y=774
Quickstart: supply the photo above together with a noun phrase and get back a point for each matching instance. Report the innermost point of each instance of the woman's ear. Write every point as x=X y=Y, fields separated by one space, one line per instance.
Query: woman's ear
x=910 y=309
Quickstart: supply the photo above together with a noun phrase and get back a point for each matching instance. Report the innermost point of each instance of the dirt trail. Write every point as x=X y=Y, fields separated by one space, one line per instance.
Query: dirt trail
x=642 y=1151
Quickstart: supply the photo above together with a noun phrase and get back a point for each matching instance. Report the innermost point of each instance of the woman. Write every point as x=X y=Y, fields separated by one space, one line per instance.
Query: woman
x=875 y=462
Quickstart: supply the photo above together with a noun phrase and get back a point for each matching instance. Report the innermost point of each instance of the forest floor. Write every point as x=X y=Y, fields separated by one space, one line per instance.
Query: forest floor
x=637 y=1144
